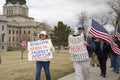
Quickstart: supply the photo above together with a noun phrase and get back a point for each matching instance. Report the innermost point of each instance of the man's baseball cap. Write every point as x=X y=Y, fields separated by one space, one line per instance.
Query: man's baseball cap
x=81 y=28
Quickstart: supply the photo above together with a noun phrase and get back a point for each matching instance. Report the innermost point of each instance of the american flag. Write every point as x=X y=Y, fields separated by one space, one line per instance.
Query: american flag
x=100 y=32
x=118 y=34
x=23 y=43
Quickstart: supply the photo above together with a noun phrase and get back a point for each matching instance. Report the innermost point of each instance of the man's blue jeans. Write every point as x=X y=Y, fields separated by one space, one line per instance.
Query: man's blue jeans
x=45 y=65
x=116 y=62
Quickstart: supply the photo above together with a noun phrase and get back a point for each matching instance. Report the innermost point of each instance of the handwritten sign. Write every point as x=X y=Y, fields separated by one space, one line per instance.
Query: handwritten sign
x=78 y=51
x=40 y=50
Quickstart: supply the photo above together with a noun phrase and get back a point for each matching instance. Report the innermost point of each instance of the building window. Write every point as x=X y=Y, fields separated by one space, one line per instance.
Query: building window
x=3 y=37
x=3 y=28
x=13 y=32
x=16 y=32
x=19 y=32
x=2 y=47
x=9 y=39
x=9 y=31
x=24 y=32
x=10 y=11
x=13 y=38
x=29 y=32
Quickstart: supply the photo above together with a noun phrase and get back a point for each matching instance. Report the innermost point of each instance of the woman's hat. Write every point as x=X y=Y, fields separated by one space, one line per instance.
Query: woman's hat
x=43 y=32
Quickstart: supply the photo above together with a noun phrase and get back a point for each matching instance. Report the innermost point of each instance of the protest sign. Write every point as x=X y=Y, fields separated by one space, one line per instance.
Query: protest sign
x=39 y=50
x=77 y=49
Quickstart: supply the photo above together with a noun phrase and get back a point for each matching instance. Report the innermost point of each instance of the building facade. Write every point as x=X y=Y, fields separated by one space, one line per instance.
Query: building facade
x=16 y=25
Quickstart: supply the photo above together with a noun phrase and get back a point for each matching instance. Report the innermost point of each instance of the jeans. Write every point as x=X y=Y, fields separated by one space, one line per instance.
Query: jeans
x=116 y=62
x=112 y=59
x=45 y=65
x=119 y=62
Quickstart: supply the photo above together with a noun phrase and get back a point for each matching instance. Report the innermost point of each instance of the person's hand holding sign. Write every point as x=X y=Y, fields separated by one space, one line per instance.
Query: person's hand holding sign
x=85 y=43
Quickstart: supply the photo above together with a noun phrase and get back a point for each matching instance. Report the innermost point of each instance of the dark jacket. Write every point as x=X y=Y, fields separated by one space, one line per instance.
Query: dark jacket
x=91 y=46
x=105 y=51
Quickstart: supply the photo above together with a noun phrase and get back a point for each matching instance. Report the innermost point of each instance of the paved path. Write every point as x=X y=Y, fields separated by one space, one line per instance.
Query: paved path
x=95 y=74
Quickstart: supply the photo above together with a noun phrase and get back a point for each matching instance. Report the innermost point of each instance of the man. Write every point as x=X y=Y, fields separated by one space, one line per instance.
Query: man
x=82 y=69
x=116 y=58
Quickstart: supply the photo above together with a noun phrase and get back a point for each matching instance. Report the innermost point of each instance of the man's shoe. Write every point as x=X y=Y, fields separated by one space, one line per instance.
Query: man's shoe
x=101 y=74
x=104 y=75
x=93 y=65
x=113 y=70
x=117 y=72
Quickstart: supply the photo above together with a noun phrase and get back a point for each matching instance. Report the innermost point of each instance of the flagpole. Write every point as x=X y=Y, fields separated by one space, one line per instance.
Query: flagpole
x=116 y=29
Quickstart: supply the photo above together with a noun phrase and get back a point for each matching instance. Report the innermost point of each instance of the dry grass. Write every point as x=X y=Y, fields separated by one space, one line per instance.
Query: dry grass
x=14 y=68
x=119 y=78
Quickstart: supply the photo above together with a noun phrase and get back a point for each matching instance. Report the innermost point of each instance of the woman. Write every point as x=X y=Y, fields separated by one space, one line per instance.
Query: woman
x=102 y=52
x=44 y=64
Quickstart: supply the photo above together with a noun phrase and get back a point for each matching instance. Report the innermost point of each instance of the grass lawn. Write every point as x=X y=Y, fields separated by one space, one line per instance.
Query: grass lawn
x=14 y=68
x=119 y=78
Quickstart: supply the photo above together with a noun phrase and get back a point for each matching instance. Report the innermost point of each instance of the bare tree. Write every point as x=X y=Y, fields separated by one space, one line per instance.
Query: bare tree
x=82 y=19
x=115 y=8
x=102 y=19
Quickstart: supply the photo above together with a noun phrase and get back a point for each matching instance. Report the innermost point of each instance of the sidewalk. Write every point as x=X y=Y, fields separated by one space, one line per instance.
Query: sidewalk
x=95 y=74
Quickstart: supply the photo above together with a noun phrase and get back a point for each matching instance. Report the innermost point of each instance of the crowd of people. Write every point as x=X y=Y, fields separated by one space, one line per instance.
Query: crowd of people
x=99 y=51
x=103 y=52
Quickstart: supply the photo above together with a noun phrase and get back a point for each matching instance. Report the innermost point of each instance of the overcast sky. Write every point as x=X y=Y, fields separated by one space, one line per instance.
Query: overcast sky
x=52 y=11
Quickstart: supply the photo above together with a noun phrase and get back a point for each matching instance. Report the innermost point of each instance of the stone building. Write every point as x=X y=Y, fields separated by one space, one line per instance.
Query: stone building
x=16 y=25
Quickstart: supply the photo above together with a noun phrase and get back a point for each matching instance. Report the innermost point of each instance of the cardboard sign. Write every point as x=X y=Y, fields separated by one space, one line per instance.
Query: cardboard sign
x=40 y=50
x=78 y=51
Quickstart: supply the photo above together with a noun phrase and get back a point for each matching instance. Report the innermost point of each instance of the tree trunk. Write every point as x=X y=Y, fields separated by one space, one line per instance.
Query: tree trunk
x=22 y=51
x=0 y=59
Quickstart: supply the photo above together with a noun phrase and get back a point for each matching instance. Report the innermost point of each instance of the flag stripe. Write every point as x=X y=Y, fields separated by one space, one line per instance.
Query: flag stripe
x=99 y=32
x=118 y=35
x=105 y=37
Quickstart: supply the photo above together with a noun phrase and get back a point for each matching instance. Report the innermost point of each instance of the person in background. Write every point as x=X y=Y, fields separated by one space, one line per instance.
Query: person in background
x=44 y=64
x=116 y=58
x=102 y=51
x=94 y=60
